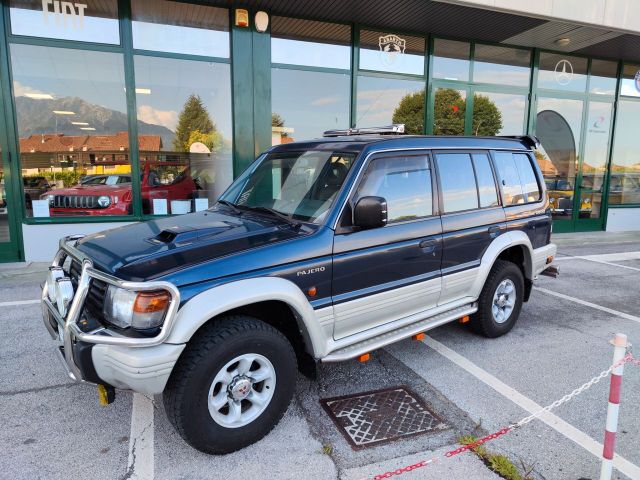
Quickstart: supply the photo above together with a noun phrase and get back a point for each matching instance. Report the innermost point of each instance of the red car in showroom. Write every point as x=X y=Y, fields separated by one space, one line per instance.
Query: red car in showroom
x=112 y=194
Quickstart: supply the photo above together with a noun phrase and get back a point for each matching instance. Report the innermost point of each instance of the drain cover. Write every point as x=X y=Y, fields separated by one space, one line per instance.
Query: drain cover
x=372 y=418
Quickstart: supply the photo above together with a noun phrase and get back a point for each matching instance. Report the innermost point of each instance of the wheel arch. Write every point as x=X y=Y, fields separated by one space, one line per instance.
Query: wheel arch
x=511 y=246
x=263 y=298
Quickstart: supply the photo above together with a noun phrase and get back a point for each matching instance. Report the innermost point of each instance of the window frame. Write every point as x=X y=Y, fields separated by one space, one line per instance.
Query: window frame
x=470 y=152
x=349 y=204
x=536 y=171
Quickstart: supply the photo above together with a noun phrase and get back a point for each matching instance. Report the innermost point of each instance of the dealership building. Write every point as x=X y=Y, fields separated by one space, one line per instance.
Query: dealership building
x=115 y=111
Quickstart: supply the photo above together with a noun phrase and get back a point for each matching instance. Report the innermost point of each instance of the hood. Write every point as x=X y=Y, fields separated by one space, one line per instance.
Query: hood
x=148 y=250
x=92 y=190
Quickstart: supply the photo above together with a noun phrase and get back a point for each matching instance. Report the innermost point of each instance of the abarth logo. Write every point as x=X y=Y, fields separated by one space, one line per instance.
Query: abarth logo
x=390 y=47
x=309 y=271
x=564 y=72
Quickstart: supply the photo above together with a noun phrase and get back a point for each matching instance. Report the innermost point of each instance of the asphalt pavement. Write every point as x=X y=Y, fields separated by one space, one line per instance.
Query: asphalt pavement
x=51 y=428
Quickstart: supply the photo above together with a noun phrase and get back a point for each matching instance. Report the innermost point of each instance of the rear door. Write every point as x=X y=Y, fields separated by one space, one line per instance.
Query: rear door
x=472 y=217
x=387 y=273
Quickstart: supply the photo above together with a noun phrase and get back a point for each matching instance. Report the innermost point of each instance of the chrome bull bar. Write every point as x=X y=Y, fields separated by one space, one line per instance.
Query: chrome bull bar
x=69 y=324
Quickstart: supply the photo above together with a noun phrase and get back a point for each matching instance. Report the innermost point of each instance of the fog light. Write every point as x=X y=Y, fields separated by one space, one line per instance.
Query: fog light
x=64 y=294
x=54 y=274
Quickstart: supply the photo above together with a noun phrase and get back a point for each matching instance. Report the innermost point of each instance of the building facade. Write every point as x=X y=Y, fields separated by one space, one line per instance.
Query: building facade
x=114 y=111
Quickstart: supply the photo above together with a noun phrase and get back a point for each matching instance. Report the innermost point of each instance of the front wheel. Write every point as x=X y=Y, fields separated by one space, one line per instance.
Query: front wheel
x=232 y=385
x=500 y=301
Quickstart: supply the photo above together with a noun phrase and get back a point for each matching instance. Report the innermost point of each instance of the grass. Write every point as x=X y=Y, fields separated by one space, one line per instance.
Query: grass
x=500 y=464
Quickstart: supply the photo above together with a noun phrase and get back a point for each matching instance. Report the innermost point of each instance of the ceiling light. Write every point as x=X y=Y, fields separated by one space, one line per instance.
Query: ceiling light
x=39 y=96
x=79 y=123
x=87 y=128
x=563 y=42
x=144 y=91
x=63 y=112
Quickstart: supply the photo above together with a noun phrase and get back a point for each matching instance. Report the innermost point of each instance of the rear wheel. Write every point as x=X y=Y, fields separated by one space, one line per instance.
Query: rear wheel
x=500 y=302
x=232 y=385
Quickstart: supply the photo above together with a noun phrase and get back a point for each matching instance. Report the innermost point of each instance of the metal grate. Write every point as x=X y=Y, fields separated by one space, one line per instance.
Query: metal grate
x=371 y=418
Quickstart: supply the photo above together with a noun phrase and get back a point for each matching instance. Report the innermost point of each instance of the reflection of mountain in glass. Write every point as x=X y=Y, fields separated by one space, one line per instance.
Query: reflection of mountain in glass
x=37 y=117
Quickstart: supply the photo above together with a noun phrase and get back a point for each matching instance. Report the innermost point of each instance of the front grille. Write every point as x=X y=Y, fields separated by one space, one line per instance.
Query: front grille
x=75 y=201
x=96 y=294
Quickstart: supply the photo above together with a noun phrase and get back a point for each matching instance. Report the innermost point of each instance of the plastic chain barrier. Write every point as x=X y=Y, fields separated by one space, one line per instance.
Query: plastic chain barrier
x=628 y=358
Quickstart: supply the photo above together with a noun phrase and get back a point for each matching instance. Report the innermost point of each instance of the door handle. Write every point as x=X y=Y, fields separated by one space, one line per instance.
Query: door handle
x=429 y=246
x=493 y=231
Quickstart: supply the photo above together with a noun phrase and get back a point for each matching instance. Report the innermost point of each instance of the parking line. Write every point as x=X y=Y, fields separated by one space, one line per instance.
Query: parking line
x=19 y=302
x=617 y=313
x=141 y=455
x=608 y=259
x=569 y=431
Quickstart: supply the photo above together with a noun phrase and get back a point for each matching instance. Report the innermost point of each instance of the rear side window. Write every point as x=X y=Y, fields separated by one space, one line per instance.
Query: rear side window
x=457 y=182
x=487 y=193
x=519 y=184
x=467 y=181
x=404 y=182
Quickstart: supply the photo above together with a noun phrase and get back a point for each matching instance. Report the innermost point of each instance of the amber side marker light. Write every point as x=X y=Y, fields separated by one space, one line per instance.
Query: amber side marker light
x=151 y=302
x=465 y=319
x=418 y=337
x=364 y=358
x=312 y=292
x=549 y=259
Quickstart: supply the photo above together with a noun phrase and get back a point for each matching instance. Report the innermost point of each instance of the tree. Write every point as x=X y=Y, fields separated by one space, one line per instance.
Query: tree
x=410 y=111
x=487 y=119
x=194 y=116
x=448 y=113
x=212 y=140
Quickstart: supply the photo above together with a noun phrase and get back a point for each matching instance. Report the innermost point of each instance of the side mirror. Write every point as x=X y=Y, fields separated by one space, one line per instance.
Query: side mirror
x=370 y=212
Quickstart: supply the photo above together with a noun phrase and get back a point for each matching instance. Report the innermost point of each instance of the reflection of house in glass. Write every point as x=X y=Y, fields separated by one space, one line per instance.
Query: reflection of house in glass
x=86 y=154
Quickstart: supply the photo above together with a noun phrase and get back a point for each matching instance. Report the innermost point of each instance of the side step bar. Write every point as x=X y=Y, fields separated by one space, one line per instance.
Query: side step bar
x=382 y=340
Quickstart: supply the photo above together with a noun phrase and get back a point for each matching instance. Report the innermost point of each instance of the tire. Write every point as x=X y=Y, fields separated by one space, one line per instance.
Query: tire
x=488 y=321
x=229 y=345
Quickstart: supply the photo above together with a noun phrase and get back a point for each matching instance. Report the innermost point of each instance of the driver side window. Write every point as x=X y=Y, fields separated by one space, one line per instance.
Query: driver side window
x=404 y=182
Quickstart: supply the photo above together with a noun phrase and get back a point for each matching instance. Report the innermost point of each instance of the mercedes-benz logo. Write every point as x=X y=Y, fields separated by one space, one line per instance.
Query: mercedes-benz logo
x=564 y=72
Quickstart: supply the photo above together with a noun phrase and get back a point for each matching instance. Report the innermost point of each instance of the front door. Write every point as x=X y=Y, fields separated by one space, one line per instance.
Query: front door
x=575 y=135
x=384 y=274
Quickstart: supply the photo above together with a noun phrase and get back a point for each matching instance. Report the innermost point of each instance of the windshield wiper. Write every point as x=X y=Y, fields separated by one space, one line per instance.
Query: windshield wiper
x=231 y=205
x=273 y=212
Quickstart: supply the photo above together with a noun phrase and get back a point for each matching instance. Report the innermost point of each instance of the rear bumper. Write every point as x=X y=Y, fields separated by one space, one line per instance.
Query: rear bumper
x=540 y=260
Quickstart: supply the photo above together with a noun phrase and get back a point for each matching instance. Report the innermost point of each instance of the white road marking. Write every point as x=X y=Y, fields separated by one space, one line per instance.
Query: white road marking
x=608 y=259
x=555 y=422
x=617 y=313
x=141 y=455
x=19 y=302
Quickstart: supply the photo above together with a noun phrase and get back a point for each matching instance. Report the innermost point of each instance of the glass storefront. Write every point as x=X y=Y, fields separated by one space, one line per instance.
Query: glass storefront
x=127 y=110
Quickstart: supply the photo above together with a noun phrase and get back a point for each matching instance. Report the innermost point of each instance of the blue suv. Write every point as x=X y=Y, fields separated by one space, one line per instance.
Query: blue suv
x=320 y=251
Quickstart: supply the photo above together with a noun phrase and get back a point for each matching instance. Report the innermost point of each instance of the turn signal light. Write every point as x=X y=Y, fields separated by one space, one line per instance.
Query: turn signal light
x=151 y=302
x=549 y=260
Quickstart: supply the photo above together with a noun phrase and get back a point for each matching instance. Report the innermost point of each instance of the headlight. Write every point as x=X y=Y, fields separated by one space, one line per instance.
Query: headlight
x=54 y=274
x=50 y=197
x=141 y=310
x=104 y=201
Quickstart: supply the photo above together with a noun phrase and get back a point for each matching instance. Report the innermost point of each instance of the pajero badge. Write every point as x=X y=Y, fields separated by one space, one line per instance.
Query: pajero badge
x=390 y=47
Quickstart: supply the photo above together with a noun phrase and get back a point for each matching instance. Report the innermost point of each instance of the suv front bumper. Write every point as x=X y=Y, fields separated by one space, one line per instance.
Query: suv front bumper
x=139 y=364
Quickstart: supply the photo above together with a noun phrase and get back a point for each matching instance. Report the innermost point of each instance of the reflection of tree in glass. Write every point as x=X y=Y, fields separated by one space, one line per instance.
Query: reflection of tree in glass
x=195 y=123
x=278 y=121
x=449 y=113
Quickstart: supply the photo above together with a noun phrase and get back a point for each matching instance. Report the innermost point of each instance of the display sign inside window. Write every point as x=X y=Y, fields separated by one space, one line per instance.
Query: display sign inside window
x=87 y=21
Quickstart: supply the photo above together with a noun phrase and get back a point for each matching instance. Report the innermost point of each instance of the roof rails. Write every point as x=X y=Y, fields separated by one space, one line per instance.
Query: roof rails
x=530 y=141
x=396 y=128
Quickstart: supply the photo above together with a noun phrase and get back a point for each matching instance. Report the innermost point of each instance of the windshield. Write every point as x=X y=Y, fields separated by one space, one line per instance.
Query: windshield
x=301 y=185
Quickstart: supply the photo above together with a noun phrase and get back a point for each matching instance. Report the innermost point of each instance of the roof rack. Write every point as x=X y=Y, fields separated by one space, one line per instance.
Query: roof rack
x=530 y=140
x=396 y=128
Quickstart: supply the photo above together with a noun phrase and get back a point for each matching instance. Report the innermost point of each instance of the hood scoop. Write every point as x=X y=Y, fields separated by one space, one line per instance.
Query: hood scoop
x=179 y=236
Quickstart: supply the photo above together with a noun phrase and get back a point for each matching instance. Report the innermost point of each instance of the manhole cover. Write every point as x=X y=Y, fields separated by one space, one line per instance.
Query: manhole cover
x=371 y=418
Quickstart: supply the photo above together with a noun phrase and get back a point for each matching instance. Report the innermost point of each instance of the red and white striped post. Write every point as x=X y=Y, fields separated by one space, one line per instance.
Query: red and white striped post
x=620 y=349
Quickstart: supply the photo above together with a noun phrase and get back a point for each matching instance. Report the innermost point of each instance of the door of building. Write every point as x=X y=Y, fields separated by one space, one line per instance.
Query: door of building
x=9 y=240
x=575 y=135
